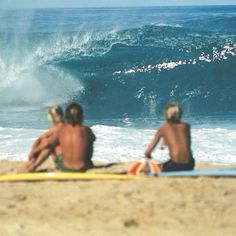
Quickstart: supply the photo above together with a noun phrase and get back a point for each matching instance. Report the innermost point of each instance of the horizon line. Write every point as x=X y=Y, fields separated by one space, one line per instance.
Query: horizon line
x=86 y=7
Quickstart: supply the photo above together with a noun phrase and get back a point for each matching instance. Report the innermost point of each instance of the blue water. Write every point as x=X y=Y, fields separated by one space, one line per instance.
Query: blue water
x=123 y=65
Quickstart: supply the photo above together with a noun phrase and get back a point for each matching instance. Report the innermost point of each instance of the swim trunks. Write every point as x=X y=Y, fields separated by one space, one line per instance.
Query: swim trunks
x=175 y=166
x=60 y=166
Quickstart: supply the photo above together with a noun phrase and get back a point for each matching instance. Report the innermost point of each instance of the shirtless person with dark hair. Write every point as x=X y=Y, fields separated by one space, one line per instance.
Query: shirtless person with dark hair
x=75 y=140
x=176 y=135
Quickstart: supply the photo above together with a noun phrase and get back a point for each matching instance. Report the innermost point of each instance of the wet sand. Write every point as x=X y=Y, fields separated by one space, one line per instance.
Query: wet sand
x=149 y=206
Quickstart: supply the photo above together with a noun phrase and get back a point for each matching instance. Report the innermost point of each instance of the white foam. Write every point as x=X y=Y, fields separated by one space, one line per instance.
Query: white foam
x=168 y=25
x=15 y=143
x=28 y=72
x=216 y=55
x=114 y=144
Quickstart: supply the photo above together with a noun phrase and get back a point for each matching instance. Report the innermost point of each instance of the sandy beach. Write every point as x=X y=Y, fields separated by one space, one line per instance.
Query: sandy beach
x=149 y=206
x=152 y=78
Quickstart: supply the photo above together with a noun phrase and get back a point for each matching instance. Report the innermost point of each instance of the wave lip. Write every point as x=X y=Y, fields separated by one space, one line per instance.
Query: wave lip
x=164 y=61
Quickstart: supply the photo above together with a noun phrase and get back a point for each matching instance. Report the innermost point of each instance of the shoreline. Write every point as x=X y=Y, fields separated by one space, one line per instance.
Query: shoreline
x=7 y=166
x=161 y=206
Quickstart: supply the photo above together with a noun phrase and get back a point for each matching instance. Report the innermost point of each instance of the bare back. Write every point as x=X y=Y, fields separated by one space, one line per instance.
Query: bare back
x=177 y=138
x=76 y=145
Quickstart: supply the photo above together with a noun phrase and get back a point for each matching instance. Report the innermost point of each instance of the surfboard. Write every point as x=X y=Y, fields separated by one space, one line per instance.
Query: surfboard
x=146 y=167
x=66 y=176
x=201 y=172
x=62 y=176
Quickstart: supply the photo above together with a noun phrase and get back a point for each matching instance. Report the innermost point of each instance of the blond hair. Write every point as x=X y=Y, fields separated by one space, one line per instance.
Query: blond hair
x=172 y=113
x=55 y=113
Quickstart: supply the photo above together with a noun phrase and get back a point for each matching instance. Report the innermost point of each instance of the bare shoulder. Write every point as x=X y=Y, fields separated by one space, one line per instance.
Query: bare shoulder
x=56 y=127
x=185 y=124
x=87 y=128
x=162 y=128
x=90 y=133
x=64 y=129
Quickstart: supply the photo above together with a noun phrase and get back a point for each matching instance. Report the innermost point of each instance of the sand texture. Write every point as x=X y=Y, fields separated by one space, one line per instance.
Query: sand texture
x=149 y=206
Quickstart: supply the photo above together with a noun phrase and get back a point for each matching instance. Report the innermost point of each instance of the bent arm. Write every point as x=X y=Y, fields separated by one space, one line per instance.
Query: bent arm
x=46 y=134
x=152 y=144
x=50 y=143
x=42 y=136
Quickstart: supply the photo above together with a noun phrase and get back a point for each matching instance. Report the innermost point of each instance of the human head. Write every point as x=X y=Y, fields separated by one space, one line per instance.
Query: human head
x=172 y=113
x=74 y=114
x=55 y=114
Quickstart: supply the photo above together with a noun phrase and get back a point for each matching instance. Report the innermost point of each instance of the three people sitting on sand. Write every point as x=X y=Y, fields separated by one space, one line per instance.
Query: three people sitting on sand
x=71 y=144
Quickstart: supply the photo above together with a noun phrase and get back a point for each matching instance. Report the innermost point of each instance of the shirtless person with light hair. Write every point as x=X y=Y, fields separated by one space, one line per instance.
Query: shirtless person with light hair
x=35 y=158
x=75 y=141
x=176 y=135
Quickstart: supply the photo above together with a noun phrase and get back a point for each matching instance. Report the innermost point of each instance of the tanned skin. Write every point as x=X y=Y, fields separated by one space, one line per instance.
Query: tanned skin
x=76 y=142
x=37 y=157
x=76 y=145
x=42 y=139
x=177 y=137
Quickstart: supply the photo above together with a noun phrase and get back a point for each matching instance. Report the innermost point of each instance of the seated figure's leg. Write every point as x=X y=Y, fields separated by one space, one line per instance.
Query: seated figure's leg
x=36 y=162
x=32 y=153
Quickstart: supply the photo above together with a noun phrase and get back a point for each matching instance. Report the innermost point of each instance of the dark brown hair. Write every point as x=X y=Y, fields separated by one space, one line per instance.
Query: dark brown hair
x=74 y=114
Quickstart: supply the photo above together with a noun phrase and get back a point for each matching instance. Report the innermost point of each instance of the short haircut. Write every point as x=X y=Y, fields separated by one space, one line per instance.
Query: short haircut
x=173 y=113
x=74 y=114
x=55 y=113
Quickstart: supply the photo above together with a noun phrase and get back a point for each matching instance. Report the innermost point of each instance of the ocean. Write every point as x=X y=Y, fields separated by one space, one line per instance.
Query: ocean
x=123 y=65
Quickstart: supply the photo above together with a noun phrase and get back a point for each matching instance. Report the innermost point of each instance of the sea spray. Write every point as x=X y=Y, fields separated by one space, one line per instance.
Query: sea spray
x=123 y=66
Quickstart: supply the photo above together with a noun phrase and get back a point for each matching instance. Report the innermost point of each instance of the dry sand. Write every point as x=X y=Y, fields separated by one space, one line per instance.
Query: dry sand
x=151 y=206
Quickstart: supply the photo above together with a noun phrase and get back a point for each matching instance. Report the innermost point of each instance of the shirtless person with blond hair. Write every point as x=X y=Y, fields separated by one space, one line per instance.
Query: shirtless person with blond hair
x=35 y=158
x=75 y=141
x=176 y=135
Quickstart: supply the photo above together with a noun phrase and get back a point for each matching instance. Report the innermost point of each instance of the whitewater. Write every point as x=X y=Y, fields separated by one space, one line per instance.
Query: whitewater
x=124 y=65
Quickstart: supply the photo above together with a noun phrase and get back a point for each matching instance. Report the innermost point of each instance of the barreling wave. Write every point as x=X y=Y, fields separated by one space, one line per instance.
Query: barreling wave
x=129 y=72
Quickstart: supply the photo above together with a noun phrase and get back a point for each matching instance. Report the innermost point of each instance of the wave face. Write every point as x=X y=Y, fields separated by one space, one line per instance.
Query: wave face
x=120 y=62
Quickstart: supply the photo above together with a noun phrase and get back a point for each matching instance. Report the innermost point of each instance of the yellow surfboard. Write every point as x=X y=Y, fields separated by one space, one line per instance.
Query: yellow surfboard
x=62 y=176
